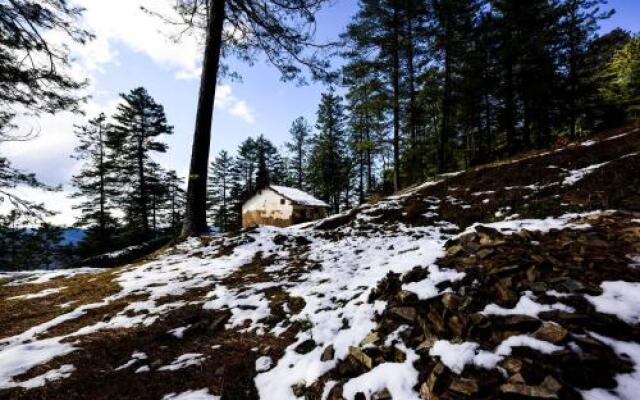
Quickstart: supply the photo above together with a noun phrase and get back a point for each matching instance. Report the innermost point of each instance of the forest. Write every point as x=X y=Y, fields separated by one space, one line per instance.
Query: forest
x=415 y=89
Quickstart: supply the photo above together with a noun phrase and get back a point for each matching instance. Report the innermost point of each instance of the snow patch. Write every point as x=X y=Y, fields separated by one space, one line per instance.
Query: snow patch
x=619 y=298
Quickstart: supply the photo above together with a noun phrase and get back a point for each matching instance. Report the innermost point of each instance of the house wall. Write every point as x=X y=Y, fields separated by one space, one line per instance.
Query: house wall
x=266 y=208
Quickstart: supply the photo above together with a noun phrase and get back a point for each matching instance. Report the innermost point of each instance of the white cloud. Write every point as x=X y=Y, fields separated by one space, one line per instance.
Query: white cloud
x=226 y=100
x=59 y=202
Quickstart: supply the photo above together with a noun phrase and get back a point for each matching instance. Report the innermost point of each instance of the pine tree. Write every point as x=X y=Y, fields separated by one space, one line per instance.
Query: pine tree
x=139 y=121
x=221 y=203
x=328 y=163
x=174 y=202
x=578 y=24
x=298 y=147
x=95 y=184
x=377 y=28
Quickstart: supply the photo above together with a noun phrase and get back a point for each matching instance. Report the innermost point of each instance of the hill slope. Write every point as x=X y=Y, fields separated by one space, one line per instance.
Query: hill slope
x=515 y=280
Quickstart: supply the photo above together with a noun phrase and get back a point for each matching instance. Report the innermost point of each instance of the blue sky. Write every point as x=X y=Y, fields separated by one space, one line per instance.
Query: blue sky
x=132 y=53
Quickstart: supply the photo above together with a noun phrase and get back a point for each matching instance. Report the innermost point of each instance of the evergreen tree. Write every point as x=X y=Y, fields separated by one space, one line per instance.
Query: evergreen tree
x=174 y=202
x=221 y=204
x=298 y=147
x=376 y=29
x=95 y=184
x=139 y=120
x=328 y=163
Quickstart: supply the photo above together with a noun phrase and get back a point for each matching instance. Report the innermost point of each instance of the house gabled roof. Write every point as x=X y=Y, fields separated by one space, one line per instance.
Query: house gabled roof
x=298 y=196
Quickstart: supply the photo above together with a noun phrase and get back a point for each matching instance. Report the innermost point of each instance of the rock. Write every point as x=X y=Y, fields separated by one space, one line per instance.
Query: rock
x=381 y=395
x=512 y=365
x=298 y=389
x=372 y=338
x=302 y=241
x=361 y=357
x=548 y=389
x=451 y=301
x=406 y=297
x=305 y=347
x=504 y=292
x=551 y=332
x=454 y=250
x=457 y=325
x=427 y=388
x=406 y=313
x=521 y=323
x=280 y=239
x=484 y=253
x=435 y=320
x=467 y=387
x=328 y=353
x=296 y=304
x=426 y=345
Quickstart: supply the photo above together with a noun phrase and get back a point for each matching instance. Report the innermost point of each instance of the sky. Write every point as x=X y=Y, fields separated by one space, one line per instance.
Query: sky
x=133 y=49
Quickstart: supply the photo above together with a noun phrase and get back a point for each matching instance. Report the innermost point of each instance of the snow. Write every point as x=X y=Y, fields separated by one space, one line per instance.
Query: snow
x=298 y=196
x=179 y=332
x=525 y=306
x=43 y=276
x=457 y=356
x=619 y=298
x=398 y=378
x=588 y=143
x=57 y=374
x=202 y=394
x=38 y=295
x=264 y=364
x=511 y=226
x=426 y=289
x=628 y=384
x=135 y=357
x=184 y=361
x=454 y=356
x=18 y=359
x=578 y=174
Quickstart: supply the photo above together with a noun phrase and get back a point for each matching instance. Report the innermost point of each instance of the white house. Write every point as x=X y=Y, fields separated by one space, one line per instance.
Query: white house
x=281 y=206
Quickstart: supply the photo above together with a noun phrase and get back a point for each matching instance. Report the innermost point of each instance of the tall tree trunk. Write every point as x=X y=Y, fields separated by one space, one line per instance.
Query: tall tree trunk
x=396 y=100
x=413 y=112
x=446 y=99
x=103 y=195
x=144 y=209
x=195 y=219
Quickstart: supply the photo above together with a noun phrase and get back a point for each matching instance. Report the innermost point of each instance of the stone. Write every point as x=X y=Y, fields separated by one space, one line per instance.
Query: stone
x=426 y=345
x=427 y=388
x=372 y=338
x=454 y=250
x=381 y=395
x=406 y=297
x=328 y=353
x=512 y=365
x=406 y=313
x=467 y=387
x=484 y=253
x=305 y=347
x=548 y=389
x=298 y=389
x=551 y=332
x=451 y=301
x=296 y=304
x=361 y=357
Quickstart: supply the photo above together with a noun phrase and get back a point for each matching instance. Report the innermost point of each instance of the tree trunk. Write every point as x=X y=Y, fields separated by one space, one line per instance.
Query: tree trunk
x=396 y=101
x=446 y=100
x=195 y=219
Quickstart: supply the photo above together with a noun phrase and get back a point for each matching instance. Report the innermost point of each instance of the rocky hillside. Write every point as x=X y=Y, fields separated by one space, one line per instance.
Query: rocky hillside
x=515 y=280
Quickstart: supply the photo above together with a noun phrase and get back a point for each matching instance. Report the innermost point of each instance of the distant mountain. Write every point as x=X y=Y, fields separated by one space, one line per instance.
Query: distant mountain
x=72 y=236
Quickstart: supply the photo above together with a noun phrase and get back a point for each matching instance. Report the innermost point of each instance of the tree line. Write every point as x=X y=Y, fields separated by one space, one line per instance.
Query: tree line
x=427 y=87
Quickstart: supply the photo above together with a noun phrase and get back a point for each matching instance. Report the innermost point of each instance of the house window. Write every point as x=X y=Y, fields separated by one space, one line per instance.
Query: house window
x=282 y=201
